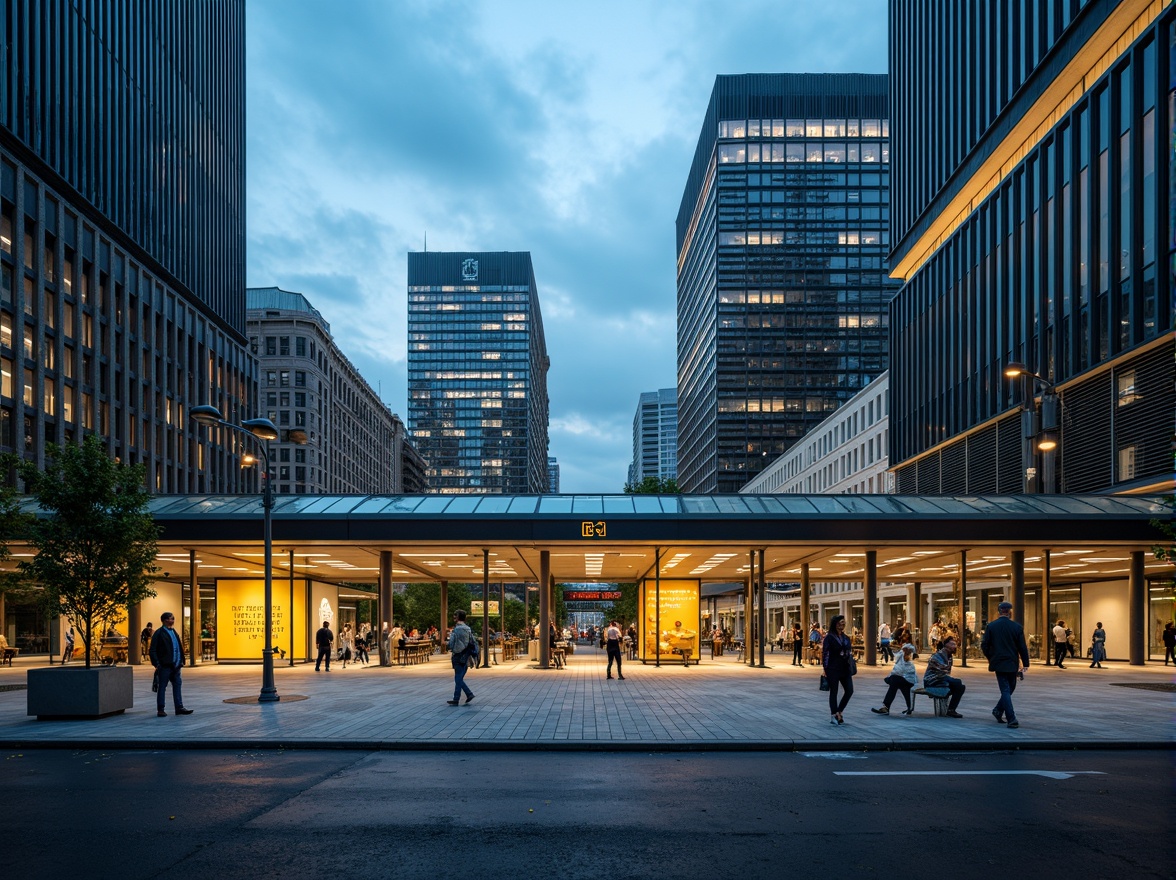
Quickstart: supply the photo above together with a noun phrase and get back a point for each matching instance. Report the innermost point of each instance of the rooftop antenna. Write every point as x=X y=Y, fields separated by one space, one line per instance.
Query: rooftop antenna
x=426 y=241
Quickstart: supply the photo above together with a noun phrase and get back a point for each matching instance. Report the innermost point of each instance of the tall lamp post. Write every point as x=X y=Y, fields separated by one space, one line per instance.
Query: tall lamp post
x=262 y=431
x=1039 y=429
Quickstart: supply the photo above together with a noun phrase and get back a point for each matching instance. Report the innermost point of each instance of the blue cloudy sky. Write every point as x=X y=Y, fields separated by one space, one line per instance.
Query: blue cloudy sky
x=563 y=129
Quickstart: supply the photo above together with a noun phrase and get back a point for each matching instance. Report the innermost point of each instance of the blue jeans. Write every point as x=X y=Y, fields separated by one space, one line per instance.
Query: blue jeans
x=459 y=685
x=1007 y=682
x=169 y=674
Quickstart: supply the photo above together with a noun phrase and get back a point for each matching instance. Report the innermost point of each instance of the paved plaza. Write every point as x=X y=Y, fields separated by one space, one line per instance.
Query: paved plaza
x=717 y=705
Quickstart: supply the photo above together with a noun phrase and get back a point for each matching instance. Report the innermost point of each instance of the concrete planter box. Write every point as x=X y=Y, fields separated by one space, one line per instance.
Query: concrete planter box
x=77 y=692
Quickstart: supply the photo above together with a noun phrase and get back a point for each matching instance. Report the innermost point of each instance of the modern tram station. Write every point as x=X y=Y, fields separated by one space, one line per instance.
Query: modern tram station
x=780 y=559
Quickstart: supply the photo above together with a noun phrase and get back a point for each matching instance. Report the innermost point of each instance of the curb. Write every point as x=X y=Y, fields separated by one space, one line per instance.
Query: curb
x=588 y=745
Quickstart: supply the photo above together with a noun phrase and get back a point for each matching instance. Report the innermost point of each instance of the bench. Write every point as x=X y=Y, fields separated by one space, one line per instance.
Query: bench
x=9 y=653
x=938 y=697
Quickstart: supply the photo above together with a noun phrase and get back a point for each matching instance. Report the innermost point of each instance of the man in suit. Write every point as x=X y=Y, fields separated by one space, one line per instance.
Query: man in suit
x=323 y=639
x=167 y=656
x=1008 y=656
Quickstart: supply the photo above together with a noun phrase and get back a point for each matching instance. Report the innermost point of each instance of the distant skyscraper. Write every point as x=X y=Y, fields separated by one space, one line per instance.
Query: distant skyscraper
x=122 y=234
x=552 y=475
x=356 y=443
x=1033 y=224
x=477 y=372
x=655 y=436
x=782 y=276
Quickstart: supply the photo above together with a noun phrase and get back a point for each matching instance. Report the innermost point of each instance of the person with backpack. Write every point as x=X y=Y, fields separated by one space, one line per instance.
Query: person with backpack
x=463 y=653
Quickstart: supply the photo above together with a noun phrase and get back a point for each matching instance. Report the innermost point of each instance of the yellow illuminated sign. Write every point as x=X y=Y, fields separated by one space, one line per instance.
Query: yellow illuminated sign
x=678 y=617
x=592 y=529
x=240 y=619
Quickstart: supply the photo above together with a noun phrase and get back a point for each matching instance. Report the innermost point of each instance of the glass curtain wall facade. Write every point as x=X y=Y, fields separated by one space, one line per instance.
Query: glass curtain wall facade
x=477 y=372
x=655 y=436
x=122 y=234
x=783 y=286
x=1033 y=224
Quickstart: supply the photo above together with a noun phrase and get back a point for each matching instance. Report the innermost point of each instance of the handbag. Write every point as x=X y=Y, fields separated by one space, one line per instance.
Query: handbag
x=824 y=682
x=852 y=666
x=155 y=682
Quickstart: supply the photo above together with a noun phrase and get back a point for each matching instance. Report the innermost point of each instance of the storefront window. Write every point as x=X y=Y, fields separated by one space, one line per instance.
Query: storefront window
x=1066 y=605
x=1162 y=611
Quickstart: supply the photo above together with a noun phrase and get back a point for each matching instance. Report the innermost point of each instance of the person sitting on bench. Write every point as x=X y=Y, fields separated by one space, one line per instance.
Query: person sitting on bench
x=938 y=675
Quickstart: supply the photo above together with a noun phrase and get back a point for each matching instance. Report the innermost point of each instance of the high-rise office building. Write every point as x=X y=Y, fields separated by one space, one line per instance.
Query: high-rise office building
x=122 y=234
x=552 y=475
x=355 y=443
x=477 y=372
x=1032 y=223
x=655 y=436
x=782 y=277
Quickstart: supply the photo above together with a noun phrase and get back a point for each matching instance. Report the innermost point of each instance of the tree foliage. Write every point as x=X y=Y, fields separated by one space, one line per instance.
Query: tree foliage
x=653 y=486
x=95 y=542
x=1165 y=550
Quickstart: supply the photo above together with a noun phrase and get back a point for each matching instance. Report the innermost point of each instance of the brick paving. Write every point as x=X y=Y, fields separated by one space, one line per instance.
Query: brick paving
x=719 y=704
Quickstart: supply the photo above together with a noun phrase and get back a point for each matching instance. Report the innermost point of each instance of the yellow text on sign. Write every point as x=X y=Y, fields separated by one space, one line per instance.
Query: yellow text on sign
x=592 y=529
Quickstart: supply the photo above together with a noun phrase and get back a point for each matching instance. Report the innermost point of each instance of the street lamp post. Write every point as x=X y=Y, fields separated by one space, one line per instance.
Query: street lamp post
x=262 y=431
x=1039 y=430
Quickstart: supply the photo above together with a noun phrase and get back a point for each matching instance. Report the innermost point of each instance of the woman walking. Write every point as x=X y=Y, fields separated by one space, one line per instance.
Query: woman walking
x=902 y=678
x=838 y=663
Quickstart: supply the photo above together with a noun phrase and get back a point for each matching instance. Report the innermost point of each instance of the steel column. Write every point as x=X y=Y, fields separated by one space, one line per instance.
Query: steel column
x=963 y=608
x=485 y=607
x=763 y=610
x=870 y=609
x=544 y=609
x=386 y=614
x=1137 y=610
x=1017 y=585
x=1045 y=635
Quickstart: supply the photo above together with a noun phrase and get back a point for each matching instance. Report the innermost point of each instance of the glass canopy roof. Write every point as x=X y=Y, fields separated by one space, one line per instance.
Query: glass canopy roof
x=656 y=506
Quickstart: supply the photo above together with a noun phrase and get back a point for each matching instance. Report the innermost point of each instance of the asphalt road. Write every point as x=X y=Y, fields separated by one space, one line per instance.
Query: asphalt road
x=343 y=815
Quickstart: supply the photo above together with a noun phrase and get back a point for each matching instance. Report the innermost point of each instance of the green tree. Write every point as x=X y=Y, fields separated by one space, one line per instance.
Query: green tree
x=419 y=606
x=1165 y=550
x=653 y=486
x=95 y=542
x=625 y=608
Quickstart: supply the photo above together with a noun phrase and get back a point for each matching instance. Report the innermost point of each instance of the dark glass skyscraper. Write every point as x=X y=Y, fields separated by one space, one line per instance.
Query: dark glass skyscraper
x=122 y=233
x=1033 y=225
x=477 y=372
x=782 y=273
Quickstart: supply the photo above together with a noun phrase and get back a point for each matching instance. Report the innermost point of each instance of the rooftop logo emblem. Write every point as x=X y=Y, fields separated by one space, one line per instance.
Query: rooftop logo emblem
x=469 y=270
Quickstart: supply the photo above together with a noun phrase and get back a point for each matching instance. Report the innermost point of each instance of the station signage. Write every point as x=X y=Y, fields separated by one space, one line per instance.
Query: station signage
x=592 y=595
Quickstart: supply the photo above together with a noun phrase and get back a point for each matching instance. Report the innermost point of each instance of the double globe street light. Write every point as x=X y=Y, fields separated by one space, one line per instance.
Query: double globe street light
x=262 y=431
x=1039 y=428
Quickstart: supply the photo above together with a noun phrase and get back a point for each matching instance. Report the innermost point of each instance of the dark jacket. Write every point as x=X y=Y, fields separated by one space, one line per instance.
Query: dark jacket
x=162 y=650
x=324 y=637
x=836 y=652
x=1004 y=645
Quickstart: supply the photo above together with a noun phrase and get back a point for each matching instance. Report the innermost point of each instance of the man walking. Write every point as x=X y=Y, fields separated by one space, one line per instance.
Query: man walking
x=167 y=656
x=884 y=642
x=323 y=639
x=1008 y=656
x=1061 y=643
x=461 y=638
x=612 y=643
x=938 y=675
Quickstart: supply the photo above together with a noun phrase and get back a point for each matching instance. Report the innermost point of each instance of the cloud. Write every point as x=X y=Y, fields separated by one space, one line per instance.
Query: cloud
x=564 y=130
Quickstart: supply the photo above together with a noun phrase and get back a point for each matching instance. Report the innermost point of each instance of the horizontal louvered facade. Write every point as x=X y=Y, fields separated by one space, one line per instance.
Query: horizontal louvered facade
x=1061 y=258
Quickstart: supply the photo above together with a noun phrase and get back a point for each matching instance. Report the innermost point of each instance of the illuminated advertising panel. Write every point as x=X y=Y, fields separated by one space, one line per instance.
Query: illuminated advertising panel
x=240 y=619
x=674 y=605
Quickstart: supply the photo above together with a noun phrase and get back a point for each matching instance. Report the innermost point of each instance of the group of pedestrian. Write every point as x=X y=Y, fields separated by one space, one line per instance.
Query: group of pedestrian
x=1003 y=644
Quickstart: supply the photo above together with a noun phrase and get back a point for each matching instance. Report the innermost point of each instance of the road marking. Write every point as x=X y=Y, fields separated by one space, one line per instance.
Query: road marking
x=836 y=756
x=1049 y=774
